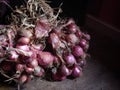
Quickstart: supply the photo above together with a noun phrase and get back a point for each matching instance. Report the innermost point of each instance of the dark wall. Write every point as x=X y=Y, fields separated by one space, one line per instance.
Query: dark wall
x=106 y=10
x=73 y=8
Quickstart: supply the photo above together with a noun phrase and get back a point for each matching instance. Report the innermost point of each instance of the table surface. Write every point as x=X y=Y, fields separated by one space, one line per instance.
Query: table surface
x=95 y=77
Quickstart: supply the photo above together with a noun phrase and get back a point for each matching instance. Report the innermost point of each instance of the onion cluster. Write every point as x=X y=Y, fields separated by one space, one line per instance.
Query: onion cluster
x=39 y=48
x=29 y=53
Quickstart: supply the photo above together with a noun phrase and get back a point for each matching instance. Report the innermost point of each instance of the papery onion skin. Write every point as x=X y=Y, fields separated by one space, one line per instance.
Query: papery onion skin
x=58 y=77
x=23 y=79
x=23 y=47
x=26 y=33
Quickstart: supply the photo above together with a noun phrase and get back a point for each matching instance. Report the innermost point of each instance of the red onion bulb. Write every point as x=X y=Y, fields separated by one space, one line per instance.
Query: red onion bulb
x=72 y=38
x=58 y=77
x=45 y=58
x=39 y=71
x=72 y=27
x=24 y=40
x=77 y=71
x=33 y=63
x=77 y=51
x=23 y=78
x=64 y=71
x=20 y=67
x=70 y=59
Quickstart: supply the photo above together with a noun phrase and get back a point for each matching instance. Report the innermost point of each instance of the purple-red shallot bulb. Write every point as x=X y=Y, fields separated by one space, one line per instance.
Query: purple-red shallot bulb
x=45 y=59
x=23 y=79
x=69 y=59
x=83 y=43
x=29 y=70
x=77 y=71
x=77 y=51
x=72 y=38
x=33 y=63
x=24 y=40
x=39 y=71
x=20 y=67
x=63 y=70
x=58 y=77
x=72 y=27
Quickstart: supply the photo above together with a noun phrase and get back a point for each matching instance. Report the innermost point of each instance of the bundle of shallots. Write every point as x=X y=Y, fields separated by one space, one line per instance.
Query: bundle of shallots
x=39 y=44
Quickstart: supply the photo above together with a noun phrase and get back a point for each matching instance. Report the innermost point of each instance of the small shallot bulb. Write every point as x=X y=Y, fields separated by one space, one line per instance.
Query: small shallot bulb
x=72 y=38
x=23 y=79
x=20 y=67
x=79 y=34
x=38 y=71
x=83 y=43
x=72 y=27
x=34 y=63
x=29 y=70
x=45 y=58
x=77 y=71
x=64 y=71
x=70 y=59
x=77 y=51
x=24 y=40
x=58 y=77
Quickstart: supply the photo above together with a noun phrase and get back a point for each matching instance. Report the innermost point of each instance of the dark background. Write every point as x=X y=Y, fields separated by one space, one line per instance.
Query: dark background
x=74 y=8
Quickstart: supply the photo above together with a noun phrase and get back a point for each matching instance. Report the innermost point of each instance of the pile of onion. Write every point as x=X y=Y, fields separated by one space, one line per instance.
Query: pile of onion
x=41 y=48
